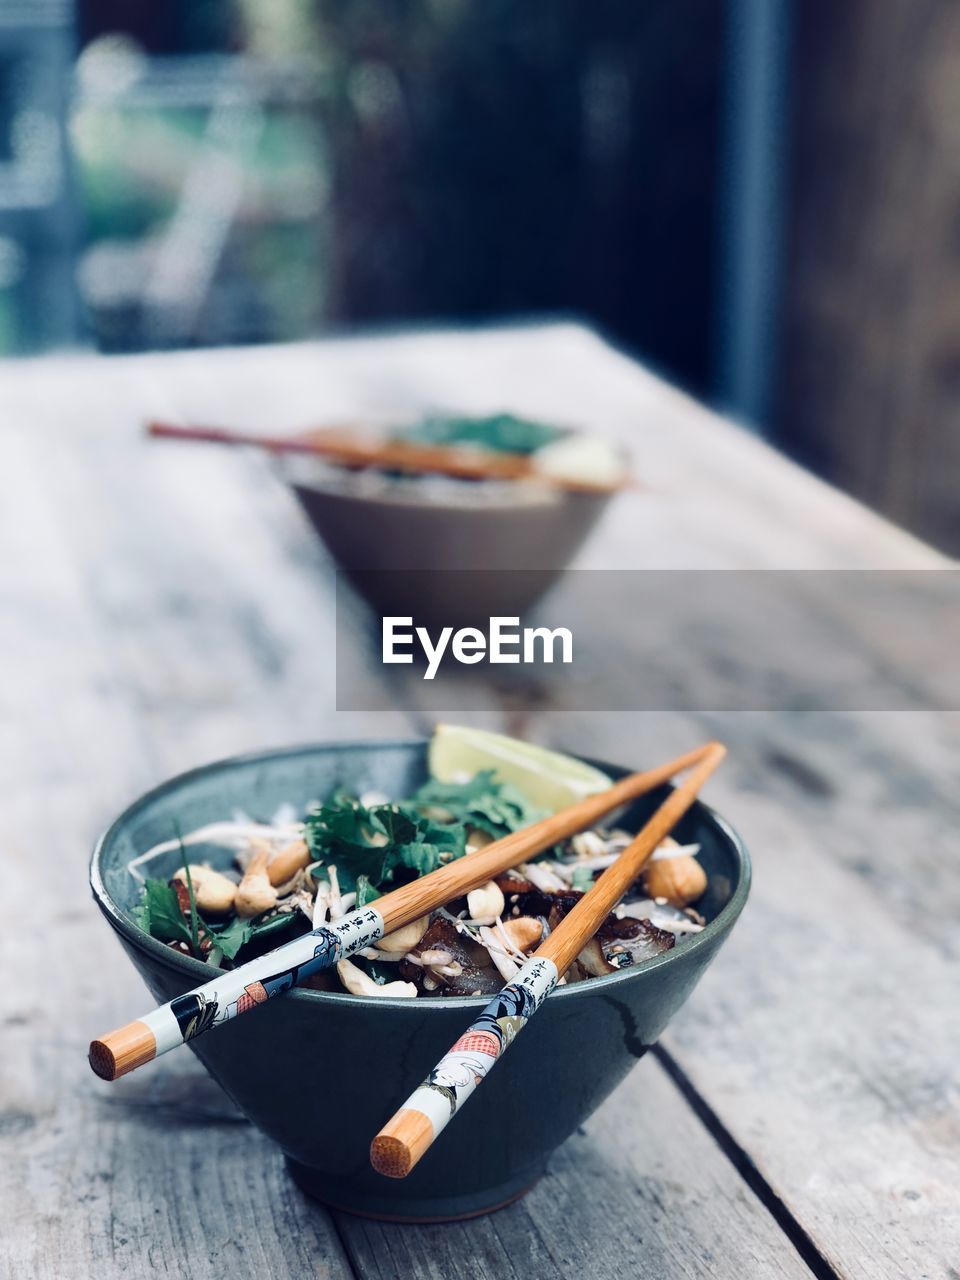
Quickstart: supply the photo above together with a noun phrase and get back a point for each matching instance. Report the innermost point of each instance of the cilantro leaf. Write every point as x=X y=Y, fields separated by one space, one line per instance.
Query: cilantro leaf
x=483 y=802
x=231 y=937
x=372 y=847
x=159 y=913
x=424 y=856
x=582 y=879
x=194 y=913
x=239 y=932
x=501 y=432
x=375 y=843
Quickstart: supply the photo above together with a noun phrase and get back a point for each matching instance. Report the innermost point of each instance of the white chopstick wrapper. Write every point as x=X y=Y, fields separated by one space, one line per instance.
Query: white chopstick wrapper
x=457 y=1074
x=253 y=983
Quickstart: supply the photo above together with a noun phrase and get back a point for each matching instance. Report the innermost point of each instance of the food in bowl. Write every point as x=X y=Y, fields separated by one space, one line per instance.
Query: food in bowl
x=293 y=873
x=474 y=455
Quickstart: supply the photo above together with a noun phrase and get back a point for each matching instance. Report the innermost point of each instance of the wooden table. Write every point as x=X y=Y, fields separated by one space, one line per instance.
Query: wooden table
x=164 y=605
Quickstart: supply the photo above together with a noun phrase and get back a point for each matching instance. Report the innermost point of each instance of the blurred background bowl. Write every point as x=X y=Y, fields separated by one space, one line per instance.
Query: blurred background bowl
x=320 y=1073
x=380 y=529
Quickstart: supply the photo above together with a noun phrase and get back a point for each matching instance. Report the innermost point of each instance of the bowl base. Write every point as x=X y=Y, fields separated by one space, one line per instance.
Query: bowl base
x=391 y=1208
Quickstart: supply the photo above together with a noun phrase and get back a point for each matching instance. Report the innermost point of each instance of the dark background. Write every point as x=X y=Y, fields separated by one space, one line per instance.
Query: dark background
x=757 y=197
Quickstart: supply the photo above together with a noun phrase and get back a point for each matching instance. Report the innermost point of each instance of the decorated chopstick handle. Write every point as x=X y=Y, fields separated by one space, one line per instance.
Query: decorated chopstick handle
x=233 y=993
x=430 y=1108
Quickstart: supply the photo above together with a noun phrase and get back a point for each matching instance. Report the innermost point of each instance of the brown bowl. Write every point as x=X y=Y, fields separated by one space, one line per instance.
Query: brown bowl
x=381 y=529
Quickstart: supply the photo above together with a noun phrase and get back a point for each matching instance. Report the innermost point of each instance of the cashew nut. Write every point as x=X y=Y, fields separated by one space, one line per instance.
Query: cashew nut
x=255 y=893
x=681 y=880
x=486 y=903
x=524 y=932
x=288 y=861
x=405 y=938
x=359 y=983
x=213 y=892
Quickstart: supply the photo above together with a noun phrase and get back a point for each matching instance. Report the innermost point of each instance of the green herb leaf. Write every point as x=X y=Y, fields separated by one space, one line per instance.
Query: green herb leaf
x=502 y=433
x=365 y=891
x=232 y=937
x=492 y=806
x=159 y=913
x=422 y=856
x=581 y=879
x=378 y=842
x=235 y=935
x=194 y=916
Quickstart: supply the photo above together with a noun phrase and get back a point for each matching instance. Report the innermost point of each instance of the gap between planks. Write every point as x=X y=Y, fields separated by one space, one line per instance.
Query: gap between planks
x=788 y=1223
x=659 y=1196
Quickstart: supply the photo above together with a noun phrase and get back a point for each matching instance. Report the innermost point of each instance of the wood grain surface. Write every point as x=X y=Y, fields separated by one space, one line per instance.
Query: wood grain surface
x=160 y=607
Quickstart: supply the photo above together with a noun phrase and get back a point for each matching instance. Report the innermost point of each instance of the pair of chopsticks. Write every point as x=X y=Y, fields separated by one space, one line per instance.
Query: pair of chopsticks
x=405 y=1138
x=350 y=450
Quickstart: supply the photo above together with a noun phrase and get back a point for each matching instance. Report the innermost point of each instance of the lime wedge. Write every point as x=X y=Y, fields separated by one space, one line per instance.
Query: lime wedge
x=546 y=778
x=583 y=458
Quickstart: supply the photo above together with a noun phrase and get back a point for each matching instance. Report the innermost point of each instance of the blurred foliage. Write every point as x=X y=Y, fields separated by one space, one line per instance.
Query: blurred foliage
x=132 y=164
x=144 y=166
x=450 y=159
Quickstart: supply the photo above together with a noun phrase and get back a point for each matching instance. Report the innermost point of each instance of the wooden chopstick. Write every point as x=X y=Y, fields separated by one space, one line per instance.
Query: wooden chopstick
x=350 y=450
x=250 y=984
x=353 y=451
x=409 y=1133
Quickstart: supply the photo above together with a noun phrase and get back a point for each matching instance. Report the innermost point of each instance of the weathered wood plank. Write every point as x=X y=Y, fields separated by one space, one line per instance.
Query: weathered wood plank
x=143 y=1184
x=644 y=1196
x=95 y=1182
x=214 y=600
x=825 y=1038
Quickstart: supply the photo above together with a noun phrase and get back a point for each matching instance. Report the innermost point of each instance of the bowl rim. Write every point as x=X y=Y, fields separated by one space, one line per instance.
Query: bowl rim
x=538 y=497
x=528 y=494
x=190 y=967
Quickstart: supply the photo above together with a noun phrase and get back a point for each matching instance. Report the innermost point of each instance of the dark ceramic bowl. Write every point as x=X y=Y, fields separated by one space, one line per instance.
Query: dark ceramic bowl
x=320 y=1073
x=394 y=527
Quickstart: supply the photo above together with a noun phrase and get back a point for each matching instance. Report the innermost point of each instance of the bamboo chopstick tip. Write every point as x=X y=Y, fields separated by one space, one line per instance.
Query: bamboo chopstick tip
x=390 y=1156
x=400 y=1143
x=123 y=1050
